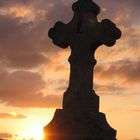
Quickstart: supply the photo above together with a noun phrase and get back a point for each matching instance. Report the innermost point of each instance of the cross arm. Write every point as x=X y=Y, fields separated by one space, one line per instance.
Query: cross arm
x=110 y=33
x=59 y=35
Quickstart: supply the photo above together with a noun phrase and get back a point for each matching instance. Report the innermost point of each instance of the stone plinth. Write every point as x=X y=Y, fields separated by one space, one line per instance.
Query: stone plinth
x=78 y=123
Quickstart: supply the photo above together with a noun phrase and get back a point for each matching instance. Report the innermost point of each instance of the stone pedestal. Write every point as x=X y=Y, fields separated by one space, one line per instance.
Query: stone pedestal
x=80 y=118
x=81 y=121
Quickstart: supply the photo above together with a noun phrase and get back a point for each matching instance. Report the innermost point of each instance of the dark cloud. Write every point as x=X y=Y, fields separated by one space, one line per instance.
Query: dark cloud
x=11 y=116
x=24 y=89
x=20 y=47
x=109 y=89
x=4 y=3
x=124 y=69
x=5 y=136
x=24 y=41
x=58 y=12
x=123 y=9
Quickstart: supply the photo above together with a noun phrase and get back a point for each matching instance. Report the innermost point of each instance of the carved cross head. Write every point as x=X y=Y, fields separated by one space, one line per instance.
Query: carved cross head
x=85 y=25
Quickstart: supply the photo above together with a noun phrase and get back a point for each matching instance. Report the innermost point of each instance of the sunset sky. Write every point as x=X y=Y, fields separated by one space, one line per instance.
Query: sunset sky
x=34 y=73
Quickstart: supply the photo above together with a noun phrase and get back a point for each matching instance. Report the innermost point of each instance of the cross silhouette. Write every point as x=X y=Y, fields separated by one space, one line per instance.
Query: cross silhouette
x=80 y=115
x=84 y=34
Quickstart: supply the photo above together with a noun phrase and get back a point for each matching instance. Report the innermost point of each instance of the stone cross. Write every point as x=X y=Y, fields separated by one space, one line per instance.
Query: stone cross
x=84 y=34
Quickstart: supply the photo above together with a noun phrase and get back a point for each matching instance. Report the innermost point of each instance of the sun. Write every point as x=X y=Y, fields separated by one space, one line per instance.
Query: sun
x=35 y=133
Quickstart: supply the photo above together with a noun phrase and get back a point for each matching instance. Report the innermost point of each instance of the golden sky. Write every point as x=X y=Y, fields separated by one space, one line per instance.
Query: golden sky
x=34 y=73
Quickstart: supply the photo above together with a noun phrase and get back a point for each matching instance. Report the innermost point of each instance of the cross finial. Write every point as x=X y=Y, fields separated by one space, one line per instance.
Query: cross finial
x=85 y=6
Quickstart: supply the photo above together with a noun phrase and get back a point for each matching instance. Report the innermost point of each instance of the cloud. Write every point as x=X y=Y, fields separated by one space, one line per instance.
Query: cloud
x=5 y=136
x=12 y=116
x=125 y=69
x=125 y=111
x=19 y=46
x=24 y=41
x=109 y=89
x=24 y=25
x=24 y=89
x=60 y=84
x=4 y=3
x=128 y=8
x=118 y=78
x=24 y=45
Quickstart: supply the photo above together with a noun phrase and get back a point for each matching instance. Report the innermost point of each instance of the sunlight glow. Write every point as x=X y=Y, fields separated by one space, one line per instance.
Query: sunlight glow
x=13 y=114
x=34 y=133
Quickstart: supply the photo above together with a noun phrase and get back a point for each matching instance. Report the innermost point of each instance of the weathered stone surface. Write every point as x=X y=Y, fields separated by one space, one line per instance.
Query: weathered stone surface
x=81 y=104
x=82 y=121
x=80 y=118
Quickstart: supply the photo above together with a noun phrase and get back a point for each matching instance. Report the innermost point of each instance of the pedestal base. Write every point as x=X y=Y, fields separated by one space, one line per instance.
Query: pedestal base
x=69 y=126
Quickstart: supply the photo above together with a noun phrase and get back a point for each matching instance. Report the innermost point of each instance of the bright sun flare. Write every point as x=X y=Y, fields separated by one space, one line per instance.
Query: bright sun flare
x=35 y=133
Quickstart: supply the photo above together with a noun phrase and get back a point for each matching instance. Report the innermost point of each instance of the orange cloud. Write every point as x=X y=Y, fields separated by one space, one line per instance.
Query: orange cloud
x=12 y=116
x=24 y=89
x=4 y=136
x=17 y=11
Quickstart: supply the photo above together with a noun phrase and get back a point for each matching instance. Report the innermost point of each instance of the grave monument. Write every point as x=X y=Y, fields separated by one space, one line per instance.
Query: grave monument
x=80 y=119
